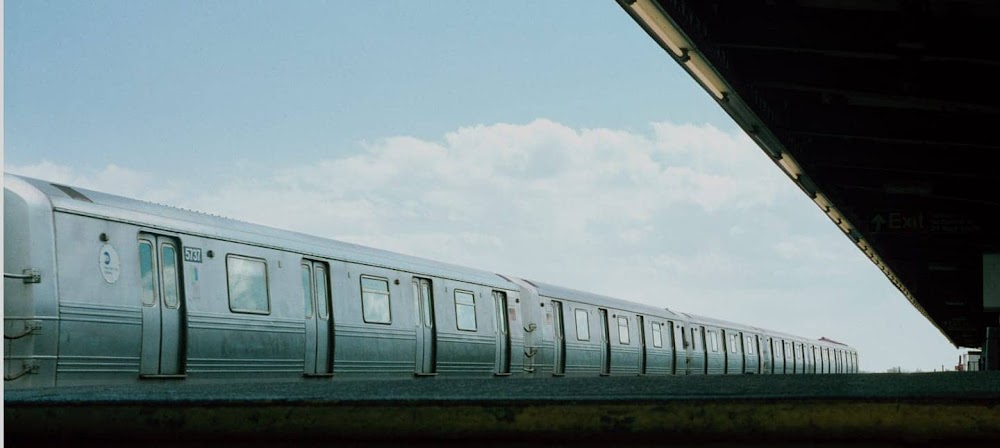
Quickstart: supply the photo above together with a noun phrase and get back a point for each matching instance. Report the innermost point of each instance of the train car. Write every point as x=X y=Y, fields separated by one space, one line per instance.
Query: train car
x=103 y=289
x=586 y=334
x=729 y=348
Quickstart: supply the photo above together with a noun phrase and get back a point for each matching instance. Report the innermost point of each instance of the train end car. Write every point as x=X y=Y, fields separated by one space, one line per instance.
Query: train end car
x=30 y=289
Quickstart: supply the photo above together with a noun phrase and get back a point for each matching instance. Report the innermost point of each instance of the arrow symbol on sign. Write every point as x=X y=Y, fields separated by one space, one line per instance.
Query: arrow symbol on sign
x=877 y=222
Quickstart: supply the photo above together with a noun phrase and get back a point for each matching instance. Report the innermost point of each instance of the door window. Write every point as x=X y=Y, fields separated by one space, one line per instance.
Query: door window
x=582 y=325
x=168 y=263
x=147 y=289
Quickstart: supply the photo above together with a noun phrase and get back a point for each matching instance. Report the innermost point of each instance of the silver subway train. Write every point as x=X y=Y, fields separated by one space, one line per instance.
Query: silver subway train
x=102 y=289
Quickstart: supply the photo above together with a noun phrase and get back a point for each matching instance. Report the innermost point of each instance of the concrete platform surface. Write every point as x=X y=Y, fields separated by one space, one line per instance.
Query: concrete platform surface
x=879 y=409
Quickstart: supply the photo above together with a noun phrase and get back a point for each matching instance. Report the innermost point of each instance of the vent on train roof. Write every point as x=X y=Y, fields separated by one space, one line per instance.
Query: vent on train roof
x=824 y=338
x=72 y=193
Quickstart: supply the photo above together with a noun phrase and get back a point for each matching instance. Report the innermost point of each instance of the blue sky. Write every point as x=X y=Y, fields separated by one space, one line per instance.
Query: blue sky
x=143 y=80
x=551 y=140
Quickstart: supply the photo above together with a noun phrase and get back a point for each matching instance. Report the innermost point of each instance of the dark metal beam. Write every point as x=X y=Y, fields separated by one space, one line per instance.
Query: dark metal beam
x=813 y=117
x=851 y=32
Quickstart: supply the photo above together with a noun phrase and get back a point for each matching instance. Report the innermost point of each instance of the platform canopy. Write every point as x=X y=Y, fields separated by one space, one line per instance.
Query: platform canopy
x=885 y=112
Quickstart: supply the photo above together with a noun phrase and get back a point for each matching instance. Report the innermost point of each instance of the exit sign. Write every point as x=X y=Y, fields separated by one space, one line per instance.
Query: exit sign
x=916 y=222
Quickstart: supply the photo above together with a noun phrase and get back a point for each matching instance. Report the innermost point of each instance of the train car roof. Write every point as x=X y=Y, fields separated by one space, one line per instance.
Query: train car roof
x=726 y=324
x=561 y=292
x=147 y=214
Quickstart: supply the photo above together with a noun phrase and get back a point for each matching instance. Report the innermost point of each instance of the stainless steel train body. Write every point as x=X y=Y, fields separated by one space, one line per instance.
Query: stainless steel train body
x=104 y=289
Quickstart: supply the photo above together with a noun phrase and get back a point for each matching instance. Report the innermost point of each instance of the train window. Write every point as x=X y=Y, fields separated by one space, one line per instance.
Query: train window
x=657 y=334
x=582 y=325
x=322 y=299
x=247 y=278
x=465 y=310
x=623 y=330
x=168 y=264
x=750 y=345
x=375 y=300
x=714 y=337
x=147 y=293
x=733 y=343
x=307 y=289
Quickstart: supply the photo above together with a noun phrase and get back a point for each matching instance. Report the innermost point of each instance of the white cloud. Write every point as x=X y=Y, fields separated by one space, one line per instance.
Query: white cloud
x=557 y=186
x=111 y=179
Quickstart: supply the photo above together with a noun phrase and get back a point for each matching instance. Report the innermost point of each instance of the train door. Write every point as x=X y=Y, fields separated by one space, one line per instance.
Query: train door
x=559 y=368
x=779 y=356
x=605 y=342
x=805 y=358
x=503 y=333
x=725 y=352
x=751 y=354
x=162 y=297
x=742 y=355
x=796 y=362
x=776 y=366
x=786 y=362
x=681 y=349
x=642 y=345
x=760 y=355
x=796 y=359
x=800 y=358
x=765 y=355
x=817 y=361
x=672 y=343
x=699 y=358
x=426 y=332
x=319 y=332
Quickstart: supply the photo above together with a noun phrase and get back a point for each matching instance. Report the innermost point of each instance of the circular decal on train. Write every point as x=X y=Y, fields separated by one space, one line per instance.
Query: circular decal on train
x=108 y=263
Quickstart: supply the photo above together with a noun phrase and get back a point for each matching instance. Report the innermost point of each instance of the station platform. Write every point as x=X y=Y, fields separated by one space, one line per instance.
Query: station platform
x=874 y=409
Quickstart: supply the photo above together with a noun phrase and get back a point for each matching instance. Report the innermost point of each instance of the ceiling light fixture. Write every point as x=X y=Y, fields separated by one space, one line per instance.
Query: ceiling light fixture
x=674 y=41
x=787 y=163
x=657 y=21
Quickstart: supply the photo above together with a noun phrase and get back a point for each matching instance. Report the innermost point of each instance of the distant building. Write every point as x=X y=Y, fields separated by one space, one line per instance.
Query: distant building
x=969 y=361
